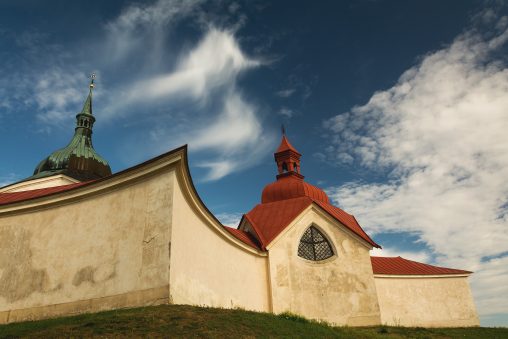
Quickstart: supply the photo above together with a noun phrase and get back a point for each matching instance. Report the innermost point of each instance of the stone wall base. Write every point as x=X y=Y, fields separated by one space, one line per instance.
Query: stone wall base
x=148 y=297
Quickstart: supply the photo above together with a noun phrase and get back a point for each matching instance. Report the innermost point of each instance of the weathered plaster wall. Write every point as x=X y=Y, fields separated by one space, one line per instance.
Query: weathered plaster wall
x=207 y=268
x=339 y=290
x=426 y=302
x=107 y=250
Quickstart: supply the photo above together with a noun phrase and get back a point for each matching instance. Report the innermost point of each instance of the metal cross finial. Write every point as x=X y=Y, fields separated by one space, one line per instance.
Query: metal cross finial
x=92 y=77
x=283 y=129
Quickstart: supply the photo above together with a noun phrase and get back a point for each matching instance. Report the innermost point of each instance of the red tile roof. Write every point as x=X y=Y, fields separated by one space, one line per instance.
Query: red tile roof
x=285 y=146
x=401 y=266
x=270 y=219
x=243 y=236
x=289 y=187
x=8 y=198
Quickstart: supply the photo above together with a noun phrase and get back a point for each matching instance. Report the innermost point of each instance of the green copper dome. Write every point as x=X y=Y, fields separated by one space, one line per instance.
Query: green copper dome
x=78 y=159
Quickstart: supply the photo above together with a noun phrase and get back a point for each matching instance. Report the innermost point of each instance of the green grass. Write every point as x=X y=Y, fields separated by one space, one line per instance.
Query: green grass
x=180 y=321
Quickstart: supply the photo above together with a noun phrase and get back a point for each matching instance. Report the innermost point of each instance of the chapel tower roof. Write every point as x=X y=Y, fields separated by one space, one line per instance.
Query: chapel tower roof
x=290 y=183
x=78 y=159
x=284 y=199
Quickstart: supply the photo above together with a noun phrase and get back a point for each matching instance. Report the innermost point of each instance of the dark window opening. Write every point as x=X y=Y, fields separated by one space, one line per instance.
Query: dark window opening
x=295 y=167
x=314 y=245
x=284 y=167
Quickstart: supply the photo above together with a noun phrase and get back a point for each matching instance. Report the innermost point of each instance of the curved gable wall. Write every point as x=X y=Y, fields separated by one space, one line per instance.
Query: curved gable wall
x=107 y=244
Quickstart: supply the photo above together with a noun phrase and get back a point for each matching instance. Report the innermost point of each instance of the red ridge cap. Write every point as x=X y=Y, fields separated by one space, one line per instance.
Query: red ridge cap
x=401 y=266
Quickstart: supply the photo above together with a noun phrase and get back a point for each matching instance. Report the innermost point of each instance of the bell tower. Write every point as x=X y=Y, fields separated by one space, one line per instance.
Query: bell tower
x=287 y=158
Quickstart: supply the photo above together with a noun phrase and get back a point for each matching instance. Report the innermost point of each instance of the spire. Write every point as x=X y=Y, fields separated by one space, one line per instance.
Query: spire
x=87 y=107
x=78 y=159
x=287 y=158
x=85 y=118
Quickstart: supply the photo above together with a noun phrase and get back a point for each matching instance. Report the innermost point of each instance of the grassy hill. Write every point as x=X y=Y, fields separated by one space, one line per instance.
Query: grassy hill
x=180 y=321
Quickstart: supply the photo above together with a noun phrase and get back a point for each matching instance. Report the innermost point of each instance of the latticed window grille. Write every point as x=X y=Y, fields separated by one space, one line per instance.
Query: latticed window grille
x=314 y=245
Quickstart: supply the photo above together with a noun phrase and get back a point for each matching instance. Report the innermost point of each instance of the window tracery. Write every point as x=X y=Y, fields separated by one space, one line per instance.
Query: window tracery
x=314 y=245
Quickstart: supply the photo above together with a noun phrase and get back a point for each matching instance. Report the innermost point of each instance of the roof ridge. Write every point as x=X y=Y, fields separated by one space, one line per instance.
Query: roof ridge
x=402 y=266
x=360 y=232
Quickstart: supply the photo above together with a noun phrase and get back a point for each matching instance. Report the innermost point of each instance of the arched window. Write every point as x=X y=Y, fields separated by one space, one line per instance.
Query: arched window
x=295 y=166
x=314 y=245
x=284 y=167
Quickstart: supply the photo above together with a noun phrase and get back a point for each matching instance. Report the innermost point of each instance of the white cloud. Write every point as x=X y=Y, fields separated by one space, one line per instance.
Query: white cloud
x=440 y=133
x=58 y=92
x=229 y=131
x=286 y=112
x=216 y=61
x=236 y=127
x=229 y=219
x=188 y=95
x=420 y=256
x=490 y=286
x=236 y=137
x=220 y=123
x=145 y=26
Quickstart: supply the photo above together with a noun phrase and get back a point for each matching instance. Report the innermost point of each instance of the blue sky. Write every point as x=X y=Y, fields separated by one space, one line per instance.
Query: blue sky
x=399 y=108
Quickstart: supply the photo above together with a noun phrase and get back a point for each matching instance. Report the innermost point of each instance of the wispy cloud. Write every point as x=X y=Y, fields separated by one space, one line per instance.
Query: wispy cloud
x=286 y=112
x=235 y=132
x=215 y=62
x=229 y=219
x=285 y=93
x=145 y=27
x=440 y=133
x=188 y=94
x=225 y=125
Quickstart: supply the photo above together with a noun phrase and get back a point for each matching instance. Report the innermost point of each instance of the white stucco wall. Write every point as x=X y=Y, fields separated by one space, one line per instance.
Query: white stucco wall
x=207 y=268
x=143 y=237
x=99 y=251
x=339 y=290
x=426 y=301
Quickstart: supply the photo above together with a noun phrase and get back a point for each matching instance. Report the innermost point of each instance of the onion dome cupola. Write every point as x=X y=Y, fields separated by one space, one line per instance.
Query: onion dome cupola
x=78 y=159
x=290 y=183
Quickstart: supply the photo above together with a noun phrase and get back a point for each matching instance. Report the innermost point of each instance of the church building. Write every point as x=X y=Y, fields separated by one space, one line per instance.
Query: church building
x=77 y=238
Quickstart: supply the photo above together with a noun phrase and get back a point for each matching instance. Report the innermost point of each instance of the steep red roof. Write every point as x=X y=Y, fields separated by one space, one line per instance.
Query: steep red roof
x=7 y=198
x=401 y=266
x=244 y=237
x=285 y=146
x=270 y=219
